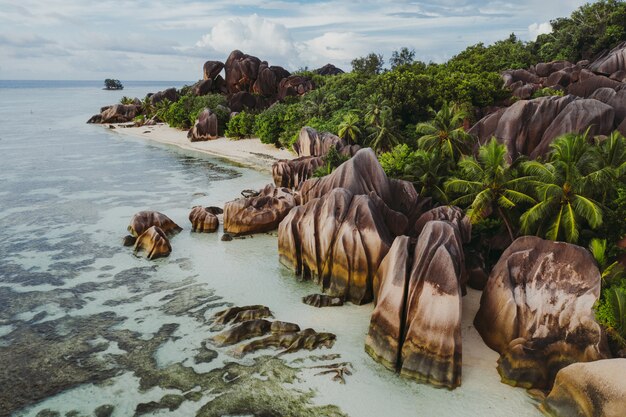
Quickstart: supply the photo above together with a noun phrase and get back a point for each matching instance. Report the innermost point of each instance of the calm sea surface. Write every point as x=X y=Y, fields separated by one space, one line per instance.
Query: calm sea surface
x=87 y=328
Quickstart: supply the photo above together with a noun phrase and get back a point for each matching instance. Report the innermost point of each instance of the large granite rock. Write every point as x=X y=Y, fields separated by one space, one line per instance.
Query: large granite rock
x=591 y=389
x=415 y=328
x=119 y=113
x=328 y=69
x=294 y=85
x=154 y=243
x=291 y=173
x=204 y=219
x=168 y=94
x=205 y=128
x=338 y=241
x=143 y=220
x=241 y=101
x=528 y=127
x=363 y=174
x=611 y=61
x=310 y=142
x=241 y=71
x=260 y=213
x=268 y=80
x=211 y=69
x=537 y=311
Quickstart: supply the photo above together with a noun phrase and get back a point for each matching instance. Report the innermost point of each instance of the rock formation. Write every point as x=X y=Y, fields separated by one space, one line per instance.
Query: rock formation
x=117 y=113
x=328 y=69
x=322 y=300
x=291 y=173
x=310 y=142
x=289 y=342
x=415 y=328
x=260 y=213
x=528 y=127
x=611 y=62
x=211 y=69
x=154 y=243
x=205 y=128
x=204 y=219
x=591 y=389
x=168 y=94
x=241 y=101
x=338 y=241
x=143 y=220
x=537 y=311
x=234 y=315
x=294 y=85
x=268 y=80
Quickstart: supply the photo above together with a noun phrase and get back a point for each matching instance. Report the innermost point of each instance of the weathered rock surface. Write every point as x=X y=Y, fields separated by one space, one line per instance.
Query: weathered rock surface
x=591 y=389
x=322 y=300
x=204 y=219
x=310 y=142
x=294 y=85
x=246 y=330
x=168 y=94
x=307 y=339
x=528 y=127
x=449 y=214
x=234 y=315
x=291 y=173
x=328 y=69
x=260 y=213
x=154 y=243
x=338 y=241
x=268 y=80
x=143 y=220
x=117 y=113
x=212 y=69
x=241 y=71
x=415 y=328
x=205 y=128
x=241 y=101
x=537 y=311
x=611 y=62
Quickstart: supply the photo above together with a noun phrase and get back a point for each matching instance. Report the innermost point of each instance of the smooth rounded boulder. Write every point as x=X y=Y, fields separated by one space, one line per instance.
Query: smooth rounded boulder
x=537 y=311
x=260 y=213
x=143 y=220
x=212 y=69
x=154 y=243
x=204 y=219
x=591 y=389
x=205 y=128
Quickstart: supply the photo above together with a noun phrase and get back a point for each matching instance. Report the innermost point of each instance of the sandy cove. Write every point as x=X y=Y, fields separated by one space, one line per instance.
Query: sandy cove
x=248 y=152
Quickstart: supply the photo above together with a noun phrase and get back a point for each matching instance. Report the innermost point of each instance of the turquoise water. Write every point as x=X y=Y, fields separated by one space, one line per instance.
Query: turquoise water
x=85 y=324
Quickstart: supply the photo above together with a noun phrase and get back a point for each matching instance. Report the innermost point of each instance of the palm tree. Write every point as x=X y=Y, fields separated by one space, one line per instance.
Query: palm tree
x=612 y=155
x=147 y=107
x=315 y=103
x=348 y=128
x=445 y=132
x=565 y=187
x=383 y=136
x=489 y=183
x=428 y=173
x=377 y=105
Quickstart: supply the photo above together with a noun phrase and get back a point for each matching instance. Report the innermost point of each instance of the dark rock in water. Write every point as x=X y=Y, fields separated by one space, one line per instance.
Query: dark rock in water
x=246 y=330
x=205 y=355
x=146 y=219
x=239 y=314
x=154 y=243
x=322 y=300
x=226 y=237
x=105 y=410
x=328 y=69
x=307 y=339
x=291 y=173
x=258 y=214
x=415 y=328
x=129 y=240
x=205 y=128
x=170 y=402
x=204 y=219
x=284 y=327
x=96 y=118
x=591 y=389
x=48 y=413
x=537 y=311
x=212 y=69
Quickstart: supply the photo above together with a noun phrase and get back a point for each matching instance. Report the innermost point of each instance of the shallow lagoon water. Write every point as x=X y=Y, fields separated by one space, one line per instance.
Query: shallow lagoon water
x=85 y=324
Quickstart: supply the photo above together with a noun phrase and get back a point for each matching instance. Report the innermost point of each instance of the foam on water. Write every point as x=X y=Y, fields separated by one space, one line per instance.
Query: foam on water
x=67 y=193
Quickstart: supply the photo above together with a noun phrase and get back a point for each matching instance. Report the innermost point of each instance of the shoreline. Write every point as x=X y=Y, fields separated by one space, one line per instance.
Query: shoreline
x=251 y=152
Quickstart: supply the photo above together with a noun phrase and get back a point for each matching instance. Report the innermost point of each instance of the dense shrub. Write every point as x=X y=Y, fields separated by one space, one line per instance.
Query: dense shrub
x=184 y=112
x=240 y=126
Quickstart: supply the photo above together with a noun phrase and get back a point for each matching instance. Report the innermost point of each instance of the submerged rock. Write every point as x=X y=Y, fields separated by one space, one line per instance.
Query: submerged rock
x=537 y=311
x=322 y=300
x=307 y=339
x=235 y=315
x=246 y=330
x=591 y=389
x=204 y=219
x=143 y=220
x=261 y=213
x=154 y=243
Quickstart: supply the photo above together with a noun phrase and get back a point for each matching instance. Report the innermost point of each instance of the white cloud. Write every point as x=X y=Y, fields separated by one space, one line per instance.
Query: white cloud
x=255 y=35
x=335 y=47
x=536 y=29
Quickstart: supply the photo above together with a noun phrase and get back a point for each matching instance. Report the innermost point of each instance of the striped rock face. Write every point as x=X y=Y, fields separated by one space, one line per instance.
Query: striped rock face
x=291 y=173
x=338 y=241
x=537 y=311
x=143 y=220
x=204 y=219
x=415 y=328
x=261 y=213
x=154 y=243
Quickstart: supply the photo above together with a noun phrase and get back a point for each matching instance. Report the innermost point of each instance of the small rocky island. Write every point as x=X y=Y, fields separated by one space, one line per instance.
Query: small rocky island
x=111 y=84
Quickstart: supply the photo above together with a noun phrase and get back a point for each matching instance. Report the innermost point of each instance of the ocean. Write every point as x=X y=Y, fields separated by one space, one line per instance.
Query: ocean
x=87 y=328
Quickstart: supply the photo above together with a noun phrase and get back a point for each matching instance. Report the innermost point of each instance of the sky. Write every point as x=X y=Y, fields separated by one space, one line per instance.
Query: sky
x=170 y=40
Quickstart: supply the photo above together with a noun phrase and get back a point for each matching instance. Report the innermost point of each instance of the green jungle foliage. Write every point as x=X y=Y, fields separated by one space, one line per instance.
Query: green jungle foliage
x=240 y=126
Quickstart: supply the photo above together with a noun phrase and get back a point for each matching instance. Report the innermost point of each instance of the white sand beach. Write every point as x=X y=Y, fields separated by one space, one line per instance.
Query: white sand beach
x=249 y=152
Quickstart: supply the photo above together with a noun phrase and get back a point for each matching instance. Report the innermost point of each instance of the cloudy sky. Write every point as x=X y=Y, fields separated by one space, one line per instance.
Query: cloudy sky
x=170 y=40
